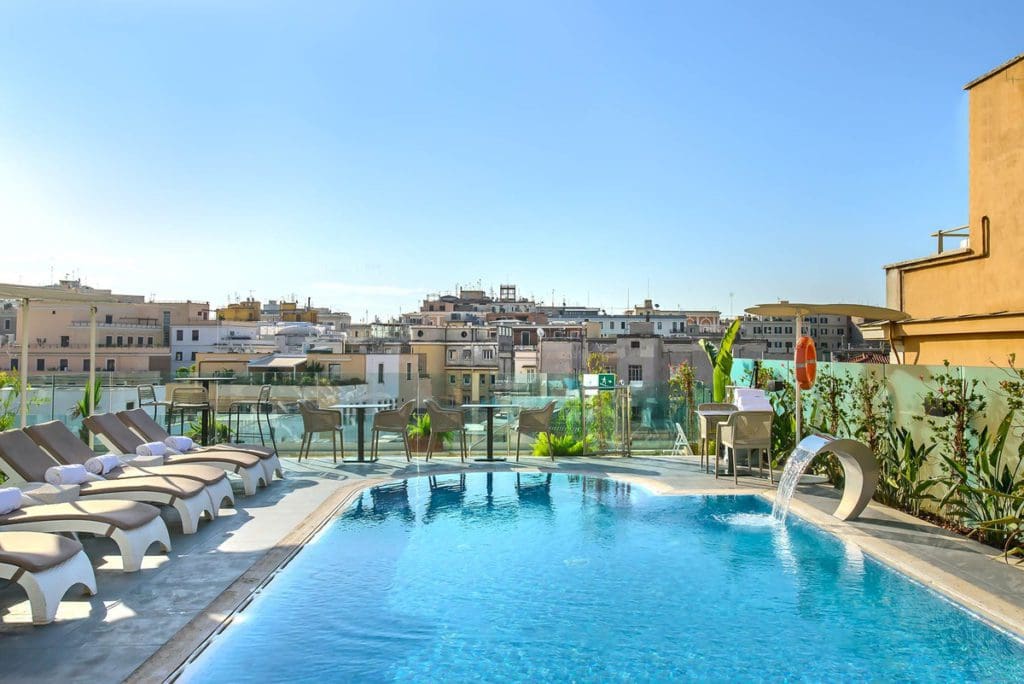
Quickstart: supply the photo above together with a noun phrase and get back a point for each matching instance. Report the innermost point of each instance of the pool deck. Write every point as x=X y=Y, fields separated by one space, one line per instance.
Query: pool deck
x=142 y=626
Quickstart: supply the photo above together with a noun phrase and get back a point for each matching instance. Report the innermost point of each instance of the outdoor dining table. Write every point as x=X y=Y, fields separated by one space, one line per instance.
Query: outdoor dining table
x=490 y=426
x=360 y=427
x=712 y=418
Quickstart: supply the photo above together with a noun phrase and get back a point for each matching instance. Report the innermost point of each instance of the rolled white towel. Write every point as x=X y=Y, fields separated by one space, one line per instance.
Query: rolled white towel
x=180 y=444
x=101 y=465
x=151 y=449
x=68 y=474
x=10 y=500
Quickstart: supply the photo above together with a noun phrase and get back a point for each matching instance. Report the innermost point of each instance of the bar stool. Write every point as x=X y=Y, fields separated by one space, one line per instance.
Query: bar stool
x=147 y=397
x=187 y=400
x=262 y=407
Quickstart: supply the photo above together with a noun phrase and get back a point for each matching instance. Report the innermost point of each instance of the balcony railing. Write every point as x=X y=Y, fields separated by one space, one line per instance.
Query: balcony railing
x=962 y=234
x=122 y=324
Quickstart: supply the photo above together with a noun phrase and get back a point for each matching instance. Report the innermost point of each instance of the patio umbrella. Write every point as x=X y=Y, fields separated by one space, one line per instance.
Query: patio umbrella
x=799 y=310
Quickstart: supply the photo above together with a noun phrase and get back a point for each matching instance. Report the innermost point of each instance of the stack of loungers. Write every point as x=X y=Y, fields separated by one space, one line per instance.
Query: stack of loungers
x=118 y=496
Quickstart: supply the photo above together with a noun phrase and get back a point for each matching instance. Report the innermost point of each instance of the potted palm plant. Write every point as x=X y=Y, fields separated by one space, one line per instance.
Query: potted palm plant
x=419 y=435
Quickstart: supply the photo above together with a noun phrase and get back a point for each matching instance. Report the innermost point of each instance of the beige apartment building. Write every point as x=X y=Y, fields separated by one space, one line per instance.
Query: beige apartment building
x=131 y=336
x=461 y=361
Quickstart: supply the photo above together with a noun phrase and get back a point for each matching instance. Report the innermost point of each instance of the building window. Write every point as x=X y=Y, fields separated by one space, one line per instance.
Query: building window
x=193 y=357
x=179 y=335
x=488 y=353
x=120 y=341
x=65 y=341
x=108 y=319
x=634 y=344
x=110 y=341
x=451 y=379
x=524 y=339
x=380 y=373
x=483 y=379
x=659 y=325
x=467 y=354
x=85 y=365
x=7 y=324
x=62 y=364
x=467 y=379
x=622 y=325
x=492 y=378
x=40 y=364
x=195 y=335
x=149 y=341
x=451 y=354
x=789 y=329
x=131 y=340
x=177 y=356
x=14 y=364
x=110 y=365
x=636 y=373
x=408 y=371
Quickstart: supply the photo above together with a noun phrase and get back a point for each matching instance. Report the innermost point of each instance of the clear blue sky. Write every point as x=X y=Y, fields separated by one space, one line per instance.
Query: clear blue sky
x=367 y=153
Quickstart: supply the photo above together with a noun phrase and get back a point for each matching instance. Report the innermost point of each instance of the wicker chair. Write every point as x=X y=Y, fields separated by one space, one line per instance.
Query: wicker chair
x=445 y=420
x=392 y=421
x=707 y=430
x=262 y=407
x=191 y=399
x=315 y=420
x=747 y=431
x=147 y=397
x=535 y=422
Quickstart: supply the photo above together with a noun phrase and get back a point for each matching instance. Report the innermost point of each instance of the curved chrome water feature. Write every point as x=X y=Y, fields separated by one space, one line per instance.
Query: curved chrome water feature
x=859 y=466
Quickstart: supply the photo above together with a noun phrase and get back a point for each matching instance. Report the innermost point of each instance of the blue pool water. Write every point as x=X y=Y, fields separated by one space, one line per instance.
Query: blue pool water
x=534 y=577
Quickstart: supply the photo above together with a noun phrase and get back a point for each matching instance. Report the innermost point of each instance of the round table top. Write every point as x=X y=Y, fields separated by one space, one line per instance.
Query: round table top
x=492 y=406
x=358 y=406
x=217 y=378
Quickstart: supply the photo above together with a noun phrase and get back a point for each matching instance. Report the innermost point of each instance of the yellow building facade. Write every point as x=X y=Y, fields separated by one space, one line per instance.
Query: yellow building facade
x=247 y=311
x=966 y=301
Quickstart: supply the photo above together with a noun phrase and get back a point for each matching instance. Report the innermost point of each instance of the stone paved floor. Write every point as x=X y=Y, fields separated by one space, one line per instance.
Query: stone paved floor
x=107 y=637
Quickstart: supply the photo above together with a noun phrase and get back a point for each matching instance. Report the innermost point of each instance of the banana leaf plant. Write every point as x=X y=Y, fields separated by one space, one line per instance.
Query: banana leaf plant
x=721 y=360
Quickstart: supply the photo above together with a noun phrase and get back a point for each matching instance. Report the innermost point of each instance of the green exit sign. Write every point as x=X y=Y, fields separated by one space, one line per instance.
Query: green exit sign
x=606 y=381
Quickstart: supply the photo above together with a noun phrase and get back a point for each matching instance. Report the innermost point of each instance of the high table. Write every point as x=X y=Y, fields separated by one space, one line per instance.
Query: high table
x=360 y=427
x=490 y=426
x=205 y=381
x=710 y=418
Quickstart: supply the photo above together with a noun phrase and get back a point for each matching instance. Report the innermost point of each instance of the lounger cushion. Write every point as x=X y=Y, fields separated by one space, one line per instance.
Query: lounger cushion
x=238 y=459
x=125 y=515
x=173 y=486
x=208 y=475
x=254 y=449
x=36 y=551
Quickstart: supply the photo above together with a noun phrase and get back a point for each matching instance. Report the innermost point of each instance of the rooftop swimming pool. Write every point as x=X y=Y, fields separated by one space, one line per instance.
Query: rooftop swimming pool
x=538 y=577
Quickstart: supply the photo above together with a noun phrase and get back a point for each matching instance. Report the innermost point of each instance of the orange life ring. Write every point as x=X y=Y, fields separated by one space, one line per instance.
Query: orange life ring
x=806 y=362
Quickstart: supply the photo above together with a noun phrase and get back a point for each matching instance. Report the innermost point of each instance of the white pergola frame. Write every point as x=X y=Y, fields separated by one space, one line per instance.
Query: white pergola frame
x=27 y=294
x=798 y=311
